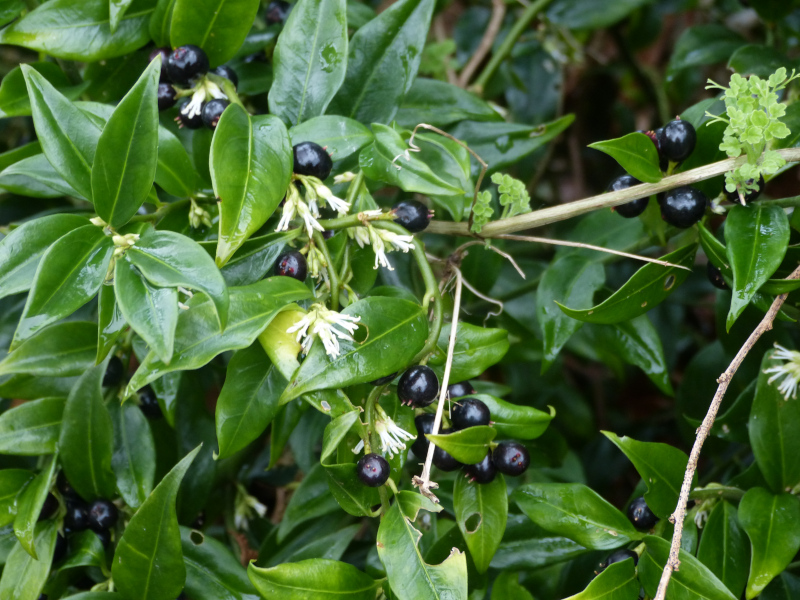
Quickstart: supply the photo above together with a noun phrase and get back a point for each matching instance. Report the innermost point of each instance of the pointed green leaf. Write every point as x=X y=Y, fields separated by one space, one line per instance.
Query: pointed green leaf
x=440 y=103
x=335 y=431
x=468 y=446
x=12 y=481
x=617 y=582
x=134 y=457
x=32 y=428
x=174 y=172
x=110 y=322
x=314 y=578
x=476 y=349
x=14 y=100
x=29 y=505
x=61 y=350
x=340 y=136
x=310 y=500
x=23 y=576
x=212 y=571
x=117 y=9
x=636 y=153
x=516 y=421
x=353 y=496
x=637 y=342
x=481 y=511
x=724 y=548
x=35 y=177
x=85 y=550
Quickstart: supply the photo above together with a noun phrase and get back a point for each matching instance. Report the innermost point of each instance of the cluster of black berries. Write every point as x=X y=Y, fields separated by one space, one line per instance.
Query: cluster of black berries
x=183 y=67
x=642 y=518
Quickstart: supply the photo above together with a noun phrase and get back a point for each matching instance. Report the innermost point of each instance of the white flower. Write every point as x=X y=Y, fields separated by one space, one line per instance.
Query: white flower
x=327 y=325
x=335 y=203
x=244 y=507
x=195 y=106
x=308 y=218
x=289 y=208
x=345 y=177
x=390 y=433
x=371 y=214
x=790 y=371
x=397 y=241
x=123 y=242
x=379 y=238
x=317 y=265
x=97 y=221
x=360 y=235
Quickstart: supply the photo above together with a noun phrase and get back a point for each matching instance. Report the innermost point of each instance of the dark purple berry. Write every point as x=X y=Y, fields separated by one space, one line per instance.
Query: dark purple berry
x=114 y=372
x=104 y=536
x=184 y=120
x=715 y=277
x=618 y=556
x=412 y=215
x=212 y=111
x=167 y=96
x=469 y=412
x=185 y=63
x=511 y=458
x=103 y=515
x=384 y=380
x=424 y=424
x=443 y=460
x=749 y=196
x=373 y=470
x=482 y=472
x=683 y=206
x=676 y=140
x=49 y=507
x=418 y=386
x=164 y=52
x=149 y=403
x=630 y=209
x=77 y=517
x=462 y=388
x=292 y=264
x=663 y=161
x=310 y=159
x=277 y=12
x=640 y=514
x=228 y=73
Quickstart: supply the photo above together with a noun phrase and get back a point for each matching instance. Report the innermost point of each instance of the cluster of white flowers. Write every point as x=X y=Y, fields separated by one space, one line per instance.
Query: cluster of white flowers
x=245 y=506
x=123 y=242
x=317 y=264
x=789 y=370
x=308 y=208
x=392 y=436
x=328 y=325
x=198 y=215
x=382 y=240
x=206 y=91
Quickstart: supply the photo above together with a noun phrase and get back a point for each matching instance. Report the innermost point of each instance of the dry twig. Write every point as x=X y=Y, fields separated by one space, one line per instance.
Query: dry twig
x=487 y=41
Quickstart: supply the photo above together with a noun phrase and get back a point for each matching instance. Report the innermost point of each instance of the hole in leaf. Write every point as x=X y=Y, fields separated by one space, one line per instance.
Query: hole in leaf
x=196 y=537
x=473 y=522
x=669 y=282
x=361 y=334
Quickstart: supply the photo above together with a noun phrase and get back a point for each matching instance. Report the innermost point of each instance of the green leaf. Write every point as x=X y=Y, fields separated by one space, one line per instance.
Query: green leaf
x=468 y=446
x=703 y=45
x=35 y=177
x=174 y=170
x=637 y=342
x=758 y=59
x=383 y=61
x=23 y=576
x=572 y=280
x=70 y=273
x=353 y=496
x=335 y=431
x=169 y=259
x=29 y=506
x=481 y=511
x=248 y=401
x=476 y=349
x=32 y=428
x=85 y=550
x=574 y=511
x=110 y=322
x=309 y=500
x=14 y=100
x=636 y=153
x=86 y=441
x=151 y=311
x=340 y=136
x=515 y=421
x=692 y=581
x=440 y=103
x=310 y=60
x=80 y=30
x=617 y=582
x=506 y=587
x=212 y=572
x=217 y=26
x=251 y=168
x=255 y=258
x=647 y=288
x=61 y=350
x=409 y=575
x=773 y=525
x=134 y=457
x=160 y=22
x=587 y=14
x=757 y=237
x=318 y=578
x=127 y=152
x=392 y=331
x=117 y=9
x=12 y=481
x=68 y=136
x=724 y=548
x=660 y=466
x=148 y=562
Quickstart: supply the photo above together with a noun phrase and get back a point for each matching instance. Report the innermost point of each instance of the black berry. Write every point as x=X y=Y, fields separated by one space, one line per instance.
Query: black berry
x=663 y=162
x=103 y=515
x=676 y=140
x=749 y=196
x=631 y=209
x=228 y=73
x=60 y=549
x=715 y=277
x=443 y=460
x=185 y=63
x=384 y=380
x=292 y=264
x=373 y=470
x=104 y=536
x=424 y=424
x=469 y=412
x=167 y=96
x=511 y=458
x=640 y=514
x=77 y=517
x=277 y=11
x=462 y=388
x=212 y=111
x=412 y=215
x=418 y=386
x=164 y=52
x=184 y=120
x=310 y=159
x=618 y=556
x=49 y=507
x=482 y=472
x=683 y=206
x=114 y=372
x=149 y=403
x=42 y=597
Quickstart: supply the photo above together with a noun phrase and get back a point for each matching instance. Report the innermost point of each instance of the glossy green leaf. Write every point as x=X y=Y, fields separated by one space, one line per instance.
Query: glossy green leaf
x=382 y=62
x=409 y=575
x=392 y=332
x=61 y=350
x=148 y=562
x=476 y=349
x=169 y=259
x=10 y=10
x=353 y=497
x=134 y=457
x=212 y=572
x=86 y=440
x=636 y=153
x=587 y=14
x=637 y=342
x=440 y=103
x=117 y=9
x=516 y=421
x=12 y=481
x=80 y=30
x=29 y=506
x=703 y=45
x=335 y=431
x=693 y=581
x=340 y=136
x=757 y=237
x=14 y=100
x=251 y=167
x=125 y=162
x=616 y=582
x=468 y=446
x=32 y=428
x=255 y=258
x=506 y=587
x=151 y=311
x=572 y=281
x=85 y=550
x=310 y=500
x=110 y=322
x=160 y=22
x=248 y=401
x=481 y=511
x=317 y=578
x=35 y=177
x=575 y=512
x=758 y=59
x=24 y=576
x=647 y=288
x=217 y=26
x=174 y=170
x=724 y=548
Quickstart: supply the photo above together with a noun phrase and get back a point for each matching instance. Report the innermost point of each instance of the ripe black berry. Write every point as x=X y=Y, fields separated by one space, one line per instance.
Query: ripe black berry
x=715 y=277
x=49 y=507
x=77 y=517
x=114 y=372
x=194 y=122
x=469 y=412
x=618 y=556
x=683 y=206
x=676 y=140
x=511 y=458
x=749 y=196
x=185 y=63
x=640 y=514
x=412 y=215
x=104 y=536
x=384 y=380
x=291 y=264
x=443 y=460
x=102 y=515
x=149 y=403
x=277 y=11
x=167 y=96
x=42 y=597
x=418 y=386
x=164 y=52
x=373 y=470
x=424 y=424
x=663 y=162
x=633 y=208
x=60 y=549
x=482 y=472
x=212 y=111
x=311 y=159
x=228 y=73
x=462 y=388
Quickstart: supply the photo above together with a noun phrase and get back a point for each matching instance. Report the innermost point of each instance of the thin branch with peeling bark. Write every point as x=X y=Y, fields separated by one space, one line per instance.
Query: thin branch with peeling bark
x=487 y=41
x=702 y=434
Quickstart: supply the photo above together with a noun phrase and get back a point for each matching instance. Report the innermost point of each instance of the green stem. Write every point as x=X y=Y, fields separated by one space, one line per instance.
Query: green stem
x=369 y=409
x=355 y=188
x=227 y=87
x=332 y=274
x=345 y=269
x=161 y=212
x=508 y=43
x=722 y=493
